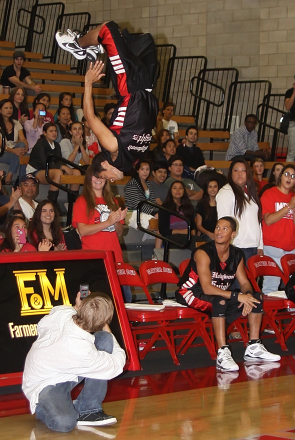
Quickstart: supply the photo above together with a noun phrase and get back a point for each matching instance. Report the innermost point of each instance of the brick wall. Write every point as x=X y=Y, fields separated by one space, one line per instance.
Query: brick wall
x=255 y=36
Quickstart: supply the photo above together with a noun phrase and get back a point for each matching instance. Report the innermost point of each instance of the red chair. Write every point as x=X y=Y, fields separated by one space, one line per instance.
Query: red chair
x=288 y=266
x=196 y=323
x=155 y=323
x=183 y=266
x=260 y=266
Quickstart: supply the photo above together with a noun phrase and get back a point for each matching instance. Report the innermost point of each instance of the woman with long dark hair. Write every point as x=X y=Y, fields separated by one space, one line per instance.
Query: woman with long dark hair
x=74 y=147
x=98 y=217
x=273 y=178
x=16 y=234
x=172 y=226
x=45 y=227
x=139 y=189
x=66 y=100
x=63 y=123
x=239 y=199
x=18 y=97
x=278 y=204
x=43 y=98
x=15 y=141
x=161 y=137
x=206 y=211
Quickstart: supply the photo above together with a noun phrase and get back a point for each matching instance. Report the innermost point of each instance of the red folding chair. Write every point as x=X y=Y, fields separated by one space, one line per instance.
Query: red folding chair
x=183 y=265
x=154 y=323
x=259 y=266
x=196 y=323
x=288 y=266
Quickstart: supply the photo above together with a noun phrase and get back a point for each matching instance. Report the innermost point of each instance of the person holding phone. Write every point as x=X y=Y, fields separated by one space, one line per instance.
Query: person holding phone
x=16 y=237
x=34 y=127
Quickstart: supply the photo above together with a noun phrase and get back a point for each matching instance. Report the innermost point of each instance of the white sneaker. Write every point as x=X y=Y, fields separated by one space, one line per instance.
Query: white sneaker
x=225 y=378
x=69 y=43
x=257 y=371
x=259 y=352
x=224 y=361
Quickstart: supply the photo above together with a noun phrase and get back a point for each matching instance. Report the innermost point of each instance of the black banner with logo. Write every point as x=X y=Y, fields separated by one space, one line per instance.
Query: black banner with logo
x=29 y=290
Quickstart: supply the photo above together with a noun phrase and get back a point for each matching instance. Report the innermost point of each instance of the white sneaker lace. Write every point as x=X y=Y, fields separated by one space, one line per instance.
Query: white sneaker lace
x=227 y=355
x=71 y=33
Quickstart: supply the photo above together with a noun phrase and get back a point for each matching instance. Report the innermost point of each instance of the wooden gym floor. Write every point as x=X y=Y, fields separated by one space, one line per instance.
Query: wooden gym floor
x=199 y=404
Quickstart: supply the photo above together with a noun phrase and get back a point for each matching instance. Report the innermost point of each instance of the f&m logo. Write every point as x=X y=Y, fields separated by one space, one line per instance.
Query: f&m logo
x=31 y=302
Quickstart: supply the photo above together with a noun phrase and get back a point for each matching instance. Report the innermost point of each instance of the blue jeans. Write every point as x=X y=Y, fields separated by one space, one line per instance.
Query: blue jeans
x=271 y=284
x=12 y=159
x=248 y=252
x=55 y=406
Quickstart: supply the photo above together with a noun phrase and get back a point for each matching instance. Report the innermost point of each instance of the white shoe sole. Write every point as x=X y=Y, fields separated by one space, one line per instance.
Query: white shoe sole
x=105 y=422
x=259 y=359
x=63 y=46
x=218 y=367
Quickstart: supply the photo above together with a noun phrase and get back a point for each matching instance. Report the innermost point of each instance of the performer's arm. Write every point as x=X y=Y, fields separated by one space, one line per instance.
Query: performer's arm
x=105 y=137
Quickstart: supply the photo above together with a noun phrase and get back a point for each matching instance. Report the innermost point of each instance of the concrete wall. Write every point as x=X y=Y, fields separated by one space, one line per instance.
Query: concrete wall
x=255 y=36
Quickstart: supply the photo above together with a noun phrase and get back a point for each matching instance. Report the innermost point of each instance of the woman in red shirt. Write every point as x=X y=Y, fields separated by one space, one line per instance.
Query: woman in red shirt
x=16 y=237
x=98 y=217
x=278 y=229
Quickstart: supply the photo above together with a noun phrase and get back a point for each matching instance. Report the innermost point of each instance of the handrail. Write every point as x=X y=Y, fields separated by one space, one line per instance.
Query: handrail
x=205 y=99
x=29 y=27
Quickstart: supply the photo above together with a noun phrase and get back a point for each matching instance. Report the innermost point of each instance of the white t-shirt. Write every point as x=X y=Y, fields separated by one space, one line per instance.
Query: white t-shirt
x=249 y=232
x=27 y=208
x=171 y=126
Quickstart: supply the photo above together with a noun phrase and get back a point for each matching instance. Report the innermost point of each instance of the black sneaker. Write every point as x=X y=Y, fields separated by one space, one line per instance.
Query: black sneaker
x=98 y=418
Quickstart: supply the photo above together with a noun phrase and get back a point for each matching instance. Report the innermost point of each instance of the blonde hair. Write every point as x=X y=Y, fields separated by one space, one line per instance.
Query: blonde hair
x=95 y=311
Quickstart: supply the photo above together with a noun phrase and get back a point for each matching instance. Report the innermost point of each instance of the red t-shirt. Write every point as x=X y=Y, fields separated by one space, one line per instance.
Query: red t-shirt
x=261 y=184
x=282 y=233
x=27 y=247
x=106 y=240
x=36 y=241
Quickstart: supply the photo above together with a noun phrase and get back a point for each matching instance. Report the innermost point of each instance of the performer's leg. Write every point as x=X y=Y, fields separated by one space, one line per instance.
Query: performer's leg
x=91 y=38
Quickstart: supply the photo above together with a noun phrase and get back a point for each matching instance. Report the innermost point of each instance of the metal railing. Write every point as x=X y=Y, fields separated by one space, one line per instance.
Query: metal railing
x=180 y=70
x=164 y=53
x=270 y=111
x=42 y=28
x=245 y=97
x=206 y=88
x=12 y=18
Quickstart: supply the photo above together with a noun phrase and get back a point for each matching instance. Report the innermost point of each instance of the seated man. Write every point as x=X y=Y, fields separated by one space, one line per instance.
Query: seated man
x=169 y=149
x=16 y=75
x=29 y=188
x=243 y=142
x=175 y=166
x=133 y=68
x=65 y=353
x=190 y=153
x=159 y=173
x=205 y=286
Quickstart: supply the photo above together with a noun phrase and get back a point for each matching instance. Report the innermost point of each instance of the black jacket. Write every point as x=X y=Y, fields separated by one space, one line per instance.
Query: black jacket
x=40 y=153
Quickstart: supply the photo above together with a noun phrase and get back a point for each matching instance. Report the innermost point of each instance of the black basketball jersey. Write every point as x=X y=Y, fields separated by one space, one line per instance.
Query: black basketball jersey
x=223 y=275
